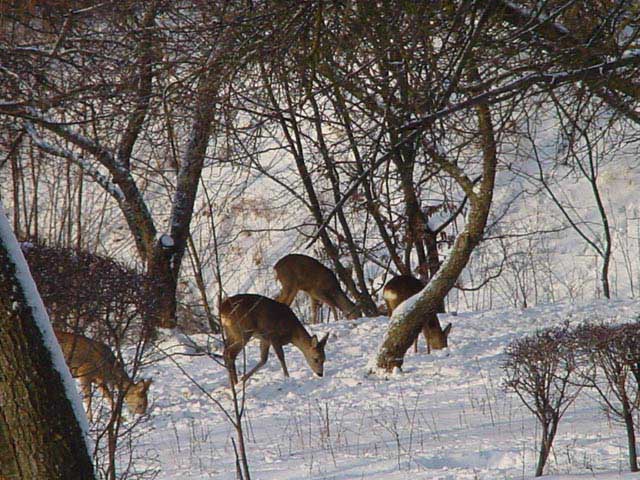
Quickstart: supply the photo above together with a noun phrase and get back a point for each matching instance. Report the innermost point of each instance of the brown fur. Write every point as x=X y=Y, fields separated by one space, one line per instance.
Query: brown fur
x=246 y=316
x=402 y=287
x=91 y=361
x=300 y=272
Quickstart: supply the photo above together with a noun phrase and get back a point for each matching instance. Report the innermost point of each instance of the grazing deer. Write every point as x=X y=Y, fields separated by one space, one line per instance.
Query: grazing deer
x=91 y=361
x=245 y=316
x=396 y=291
x=300 y=272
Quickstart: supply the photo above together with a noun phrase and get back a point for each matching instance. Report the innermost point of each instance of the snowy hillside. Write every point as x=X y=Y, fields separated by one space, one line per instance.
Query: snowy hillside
x=445 y=417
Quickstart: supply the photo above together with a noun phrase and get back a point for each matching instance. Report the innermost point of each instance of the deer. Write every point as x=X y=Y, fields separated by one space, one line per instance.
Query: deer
x=245 y=316
x=400 y=288
x=297 y=272
x=91 y=361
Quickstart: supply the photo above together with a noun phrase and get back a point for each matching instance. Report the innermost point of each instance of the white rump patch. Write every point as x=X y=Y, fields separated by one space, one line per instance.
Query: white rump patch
x=389 y=295
x=226 y=321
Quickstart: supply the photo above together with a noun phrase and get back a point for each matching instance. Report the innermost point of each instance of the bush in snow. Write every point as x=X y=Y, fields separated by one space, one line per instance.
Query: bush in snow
x=88 y=293
x=612 y=369
x=540 y=369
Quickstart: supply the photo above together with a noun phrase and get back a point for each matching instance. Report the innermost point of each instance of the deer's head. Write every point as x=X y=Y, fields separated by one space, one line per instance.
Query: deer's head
x=136 y=396
x=315 y=354
x=438 y=339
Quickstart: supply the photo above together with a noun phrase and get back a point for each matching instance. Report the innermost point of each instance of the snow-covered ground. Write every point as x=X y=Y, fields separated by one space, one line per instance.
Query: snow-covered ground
x=446 y=416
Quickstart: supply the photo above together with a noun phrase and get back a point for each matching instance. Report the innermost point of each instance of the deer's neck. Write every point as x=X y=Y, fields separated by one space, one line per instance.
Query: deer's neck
x=300 y=338
x=119 y=377
x=344 y=304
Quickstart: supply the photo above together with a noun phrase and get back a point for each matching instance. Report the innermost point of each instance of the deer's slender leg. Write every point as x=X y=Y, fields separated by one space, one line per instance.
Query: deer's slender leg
x=230 y=354
x=287 y=294
x=315 y=309
x=280 y=355
x=326 y=297
x=264 y=355
x=85 y=386
x=425 y=333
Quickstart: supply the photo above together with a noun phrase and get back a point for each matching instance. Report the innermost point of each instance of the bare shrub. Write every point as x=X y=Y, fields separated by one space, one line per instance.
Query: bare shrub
x=613 y=371
x=540 y=369
x=88 y=293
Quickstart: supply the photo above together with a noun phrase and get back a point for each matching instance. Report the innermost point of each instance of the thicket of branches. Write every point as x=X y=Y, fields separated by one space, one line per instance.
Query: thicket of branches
x=384 y=124
x=89 y=294
x=549 y=369
x=143 y=130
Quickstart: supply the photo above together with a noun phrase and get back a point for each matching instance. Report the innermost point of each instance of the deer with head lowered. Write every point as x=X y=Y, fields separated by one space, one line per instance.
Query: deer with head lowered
x=297 y=272
x=91 y=361
x=247 y=315
x=400 y=288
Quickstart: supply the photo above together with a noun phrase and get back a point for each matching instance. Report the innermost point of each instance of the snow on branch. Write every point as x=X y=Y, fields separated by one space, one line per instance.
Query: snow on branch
x=166 y=241
x=534 y=17
x=102 y=154
x=86 y=166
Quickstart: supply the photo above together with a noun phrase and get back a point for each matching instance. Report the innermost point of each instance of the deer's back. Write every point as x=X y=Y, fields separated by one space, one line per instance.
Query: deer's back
x=87 y=358
x=248 y=315
x=399 y=288
x=307 y=273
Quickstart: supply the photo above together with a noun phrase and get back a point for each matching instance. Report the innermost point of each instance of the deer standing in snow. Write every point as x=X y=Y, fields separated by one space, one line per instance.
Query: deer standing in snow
x=247 y=315
x=300 y=272
x=400 y=288
x=91 y=361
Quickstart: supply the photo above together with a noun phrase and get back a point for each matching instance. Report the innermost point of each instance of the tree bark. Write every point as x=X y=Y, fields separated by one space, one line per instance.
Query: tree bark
x=548 y=435
x=40 y=435
x=631 y=437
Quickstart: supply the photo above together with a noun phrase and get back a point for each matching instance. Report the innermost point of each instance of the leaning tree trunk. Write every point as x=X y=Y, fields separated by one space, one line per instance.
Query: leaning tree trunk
x=403 y=332
x=40 y=434
x=8 y=466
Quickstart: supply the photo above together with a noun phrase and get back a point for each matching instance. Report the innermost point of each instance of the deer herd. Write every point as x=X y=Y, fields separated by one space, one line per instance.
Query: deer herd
x=244 y=317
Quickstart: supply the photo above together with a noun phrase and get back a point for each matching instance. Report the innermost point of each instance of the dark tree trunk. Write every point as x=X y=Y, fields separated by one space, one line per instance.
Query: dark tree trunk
x=631 y=437
x=548 y=434
x=41 y=437
x=162 y=289
x=8 y=465
x=16 y=177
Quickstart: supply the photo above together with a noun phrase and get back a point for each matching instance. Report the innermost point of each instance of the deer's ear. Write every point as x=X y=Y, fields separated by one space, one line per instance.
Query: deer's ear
x=314 y=341
x=323 y=342
x=447 y=330
x=147 y=383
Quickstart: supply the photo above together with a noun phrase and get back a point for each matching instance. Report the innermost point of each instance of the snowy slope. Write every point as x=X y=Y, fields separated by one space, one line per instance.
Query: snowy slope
x=445 y=417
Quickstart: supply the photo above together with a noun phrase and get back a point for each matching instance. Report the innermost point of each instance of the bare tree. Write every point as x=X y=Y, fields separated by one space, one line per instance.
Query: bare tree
x=541 y=370
x=582 y=151
x=113 y=139
x=613 y=371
